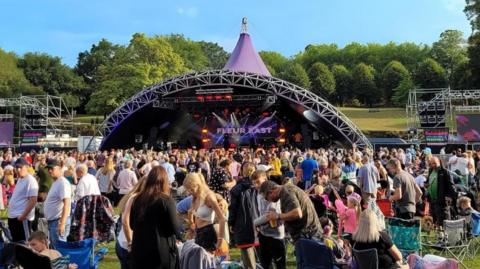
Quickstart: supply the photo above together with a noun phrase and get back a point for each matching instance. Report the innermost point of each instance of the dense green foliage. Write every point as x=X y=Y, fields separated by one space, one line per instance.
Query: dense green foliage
x=357 y=74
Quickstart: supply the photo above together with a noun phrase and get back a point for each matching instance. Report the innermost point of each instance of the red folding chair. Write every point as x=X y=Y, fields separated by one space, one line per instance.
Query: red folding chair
x=386 y=207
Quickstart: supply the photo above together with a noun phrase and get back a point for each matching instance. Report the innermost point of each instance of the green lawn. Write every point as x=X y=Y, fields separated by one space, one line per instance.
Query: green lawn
x=385 y=119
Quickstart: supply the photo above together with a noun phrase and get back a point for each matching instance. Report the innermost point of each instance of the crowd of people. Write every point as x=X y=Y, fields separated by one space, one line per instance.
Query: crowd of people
x=258 y=201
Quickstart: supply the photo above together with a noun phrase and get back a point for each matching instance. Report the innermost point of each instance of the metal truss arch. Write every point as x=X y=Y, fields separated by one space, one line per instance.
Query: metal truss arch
x=227 y=78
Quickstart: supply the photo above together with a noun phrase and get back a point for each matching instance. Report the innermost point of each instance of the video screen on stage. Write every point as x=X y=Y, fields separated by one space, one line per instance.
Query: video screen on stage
x=6 y=133
x=245 y=131
x=468 y=127
x=436 y=137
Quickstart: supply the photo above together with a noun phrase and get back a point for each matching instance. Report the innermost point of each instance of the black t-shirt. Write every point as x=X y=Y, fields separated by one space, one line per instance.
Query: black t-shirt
x=385 y=259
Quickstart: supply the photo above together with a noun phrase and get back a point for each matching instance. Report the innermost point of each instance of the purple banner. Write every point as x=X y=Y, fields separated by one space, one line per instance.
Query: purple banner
x=6 y=133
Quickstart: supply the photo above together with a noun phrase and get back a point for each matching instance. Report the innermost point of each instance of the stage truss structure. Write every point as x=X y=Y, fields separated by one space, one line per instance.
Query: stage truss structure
x=159 y=93
x=454 y=101
x=46 y=113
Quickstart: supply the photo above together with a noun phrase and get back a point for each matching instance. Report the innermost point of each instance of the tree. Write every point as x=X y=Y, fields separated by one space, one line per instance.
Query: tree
x=364 y=84
x=88 y=62
x=216 y=55
x=343 y=82
x=322 y=80
x=274 y=60
x=12 y=80
x=49 y=74
x=472 y=10
x=145 y=61
x=391 y=77
x=295 y=74
x=400 y=93
x=449 y=51
x=430 y=74
x=191 y=52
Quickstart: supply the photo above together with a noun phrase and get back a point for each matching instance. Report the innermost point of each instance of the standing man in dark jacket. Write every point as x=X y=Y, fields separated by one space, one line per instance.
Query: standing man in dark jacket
x=439 y=187
x=243 y=210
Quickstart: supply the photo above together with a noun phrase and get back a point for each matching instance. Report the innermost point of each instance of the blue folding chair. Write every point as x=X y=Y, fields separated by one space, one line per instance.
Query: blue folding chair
x=312 y=254
x=82 y=253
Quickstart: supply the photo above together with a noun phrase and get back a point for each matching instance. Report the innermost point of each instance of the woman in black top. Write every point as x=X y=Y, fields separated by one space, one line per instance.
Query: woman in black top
x=368 y=236
x=154 y=224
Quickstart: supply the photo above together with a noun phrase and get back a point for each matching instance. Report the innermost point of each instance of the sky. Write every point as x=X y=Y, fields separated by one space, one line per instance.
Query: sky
x=66 y=27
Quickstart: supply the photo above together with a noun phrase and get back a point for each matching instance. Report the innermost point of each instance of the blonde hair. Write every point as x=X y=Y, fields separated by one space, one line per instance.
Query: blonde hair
x=464 y=200
x=367 y=229
x=356 y=205
x=197 y=179
x=109 y=166
x=318 y=189
x=248 y=169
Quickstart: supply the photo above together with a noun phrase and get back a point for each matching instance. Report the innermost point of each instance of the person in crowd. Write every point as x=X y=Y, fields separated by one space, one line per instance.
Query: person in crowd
x=57 y=204
x=234 y=168
x=242 y=212
x=298 y=212
x=126 y=179
x=87 y=185
x=340 y=251
x=349 y=170
x=271 y=237
x=91 y=167
x=125 y=236
x=8 y=182
x=202 y=213
x=439 y=186
x=320 y=202
x=44 y=178
x=382 y=172
x=406 y=192
x=221 y=181
x=307 y=166
x=349 y=215
x=367 y=179
x=38 y=241
x=22 y=203
x=368 y=236
x=334 y=172
x=105 y=177
x=168 y=165
x=154 y=224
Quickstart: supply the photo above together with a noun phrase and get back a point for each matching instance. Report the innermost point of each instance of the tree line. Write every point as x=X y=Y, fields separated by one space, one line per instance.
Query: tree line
x=357 y=74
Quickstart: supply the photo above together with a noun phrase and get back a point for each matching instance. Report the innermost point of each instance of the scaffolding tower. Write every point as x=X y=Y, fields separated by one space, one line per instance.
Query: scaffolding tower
x=453 y=101
x=40 y=113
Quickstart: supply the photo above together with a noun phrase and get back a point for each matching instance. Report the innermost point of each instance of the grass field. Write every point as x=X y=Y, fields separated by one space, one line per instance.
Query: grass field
x=384 y=119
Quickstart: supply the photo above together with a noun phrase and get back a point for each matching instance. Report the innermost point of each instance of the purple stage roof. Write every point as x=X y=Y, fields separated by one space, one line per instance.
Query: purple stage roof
x=245 y=58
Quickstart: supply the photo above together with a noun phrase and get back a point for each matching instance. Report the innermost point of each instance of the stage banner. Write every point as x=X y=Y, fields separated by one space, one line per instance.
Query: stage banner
x=468 y=127
x=436 y=137
x=30 y=137
x=6 y=133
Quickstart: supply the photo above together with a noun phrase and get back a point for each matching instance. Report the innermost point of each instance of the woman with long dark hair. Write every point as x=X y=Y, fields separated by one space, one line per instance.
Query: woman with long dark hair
x=154 y=224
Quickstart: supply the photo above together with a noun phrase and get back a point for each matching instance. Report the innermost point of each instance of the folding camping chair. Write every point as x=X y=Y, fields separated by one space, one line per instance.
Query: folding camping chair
x=82 y=253
x=406 y=235
x=366 y=259
x=386 y=207
x=453 y=242
x=313 y=255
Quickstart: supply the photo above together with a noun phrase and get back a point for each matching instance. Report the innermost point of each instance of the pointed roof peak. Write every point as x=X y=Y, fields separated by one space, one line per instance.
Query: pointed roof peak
x=244 y=57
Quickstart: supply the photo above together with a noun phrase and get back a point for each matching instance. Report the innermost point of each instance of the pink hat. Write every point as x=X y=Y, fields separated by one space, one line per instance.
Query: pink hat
x=355 y=196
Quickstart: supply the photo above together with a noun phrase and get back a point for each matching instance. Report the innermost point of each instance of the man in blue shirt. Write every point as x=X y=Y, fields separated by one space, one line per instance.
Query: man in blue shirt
x=307 y=167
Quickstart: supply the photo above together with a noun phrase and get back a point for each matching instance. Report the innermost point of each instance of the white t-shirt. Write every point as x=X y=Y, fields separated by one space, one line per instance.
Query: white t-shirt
x=26 y=187
x=53 y=205
x=87 y=185
x=462 y=165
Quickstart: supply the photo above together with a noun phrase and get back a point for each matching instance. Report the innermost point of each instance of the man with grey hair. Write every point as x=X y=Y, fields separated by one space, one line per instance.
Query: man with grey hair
x=298 y=212
x=126 y=179
x=367 y=179
x=87 y=185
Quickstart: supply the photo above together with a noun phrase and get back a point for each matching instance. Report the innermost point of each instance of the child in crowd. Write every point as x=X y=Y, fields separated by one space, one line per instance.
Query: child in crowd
x=339 y=248
x=465 y=211
x=349 y=215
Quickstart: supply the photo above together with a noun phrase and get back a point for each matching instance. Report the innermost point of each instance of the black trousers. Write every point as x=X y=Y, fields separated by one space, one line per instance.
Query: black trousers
x=272 y=249
x=19 y=230
x=405 y=215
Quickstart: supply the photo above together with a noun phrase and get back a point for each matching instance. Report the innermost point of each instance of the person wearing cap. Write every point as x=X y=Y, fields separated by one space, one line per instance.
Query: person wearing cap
x=21 y=207
x=57 y=204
